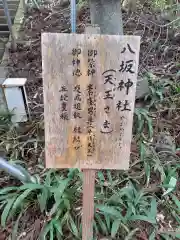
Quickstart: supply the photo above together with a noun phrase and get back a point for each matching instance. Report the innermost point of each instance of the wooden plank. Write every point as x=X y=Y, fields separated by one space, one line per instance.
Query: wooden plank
x=88 y=119
x=92 y=29
x=88 y=181
x=88 y=203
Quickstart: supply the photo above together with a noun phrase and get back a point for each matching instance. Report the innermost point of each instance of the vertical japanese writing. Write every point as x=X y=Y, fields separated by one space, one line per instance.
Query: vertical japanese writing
x=77 y=102
x=124 y=105
x=121 y=130
x=129 y=49
x=64 y=101
x=114 y=85
x=91 y=62
x=76 y=62
x=125 y=67
x=110 y=81
x=77 y=115
x=91 y=102
x=76 y=138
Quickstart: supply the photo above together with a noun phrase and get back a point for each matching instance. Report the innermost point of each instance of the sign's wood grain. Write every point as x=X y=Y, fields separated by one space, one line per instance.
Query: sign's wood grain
x=89 y=91
x=88 y=181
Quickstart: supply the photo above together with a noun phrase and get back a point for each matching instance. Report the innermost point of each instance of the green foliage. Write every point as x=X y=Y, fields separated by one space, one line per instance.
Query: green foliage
x=157 y=90
x=119 y=203
x=153 y=163
x=81 y=4
x=160 y=4
x=122 y=208
x=56 y=198
x=176 y=87
x=15 y=143
x=142 y=121
x=169 y=5
x=170 y=180
x=5 y=121
x=169 y=10
x=123 y=200
x=35 y=3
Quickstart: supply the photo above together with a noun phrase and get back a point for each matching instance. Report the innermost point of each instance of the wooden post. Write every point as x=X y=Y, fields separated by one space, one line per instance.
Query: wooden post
x=88 y=181
x=88 y=203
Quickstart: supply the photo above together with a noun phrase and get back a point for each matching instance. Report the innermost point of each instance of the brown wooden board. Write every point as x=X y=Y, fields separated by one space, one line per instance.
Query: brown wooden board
x=89 y=93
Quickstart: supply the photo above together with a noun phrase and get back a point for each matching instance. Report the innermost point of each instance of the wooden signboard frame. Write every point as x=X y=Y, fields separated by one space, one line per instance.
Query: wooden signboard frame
x=61 y=149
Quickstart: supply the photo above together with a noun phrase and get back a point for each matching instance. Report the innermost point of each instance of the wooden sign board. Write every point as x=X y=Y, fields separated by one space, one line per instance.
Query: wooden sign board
x=89 y=93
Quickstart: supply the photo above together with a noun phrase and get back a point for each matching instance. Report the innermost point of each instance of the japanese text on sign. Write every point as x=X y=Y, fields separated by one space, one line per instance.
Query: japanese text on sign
x=92 y=110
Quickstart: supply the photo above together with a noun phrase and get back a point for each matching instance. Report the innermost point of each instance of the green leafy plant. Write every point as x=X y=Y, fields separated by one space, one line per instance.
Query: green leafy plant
x=81 y=4
x=171 y=178
x=15 y=141
x=153 y=163
x=160 y=4
x=55 y=198
x=157 y=89
x=126 y=205
x=142 y=122
x=5 y=121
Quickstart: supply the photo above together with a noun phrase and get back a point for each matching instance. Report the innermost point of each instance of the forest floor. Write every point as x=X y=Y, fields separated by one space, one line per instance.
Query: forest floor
x=150 y=176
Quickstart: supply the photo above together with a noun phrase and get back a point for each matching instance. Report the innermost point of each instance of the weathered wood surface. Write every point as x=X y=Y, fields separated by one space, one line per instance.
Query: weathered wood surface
x=88 y=181
x=111 y=144
x=88 y=203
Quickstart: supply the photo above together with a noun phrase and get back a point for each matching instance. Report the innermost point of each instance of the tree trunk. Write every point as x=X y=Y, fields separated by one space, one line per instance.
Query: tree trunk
x=107 y=15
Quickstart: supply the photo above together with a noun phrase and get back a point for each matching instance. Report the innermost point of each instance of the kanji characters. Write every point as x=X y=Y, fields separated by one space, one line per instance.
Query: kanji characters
x=64 y=116
x=77 y=72
x=123 y=106
x=76 y=52
x=129 y=48
x=64 y=100
x=109 y=76
x=108 y=94
x=76 y=115
x=127 y=66
x=92 y=53
x=91 y=62
x=91 y=102
x=126 y=85
x=77 y=129
x=77 y=142
x=76 y=62
x=77 y=102
x=106 y=128
x=64 y=97
x=63 y=89
x=91 y=72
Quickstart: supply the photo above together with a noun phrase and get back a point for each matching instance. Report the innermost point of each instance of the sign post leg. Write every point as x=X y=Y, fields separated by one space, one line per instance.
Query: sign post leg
x=88 y=203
